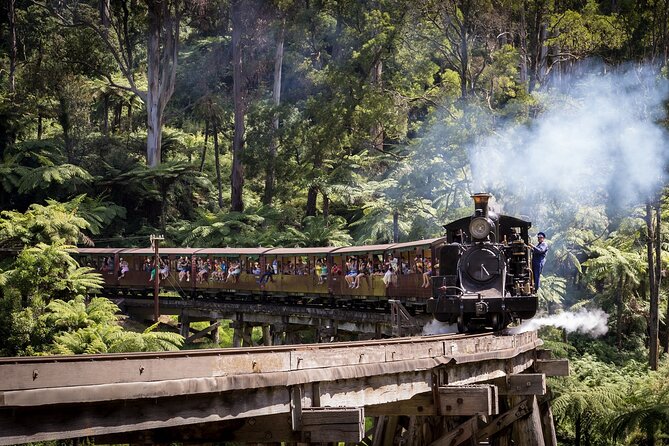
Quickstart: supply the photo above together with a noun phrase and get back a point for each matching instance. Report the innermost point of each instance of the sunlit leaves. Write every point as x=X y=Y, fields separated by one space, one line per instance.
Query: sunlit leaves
x=48 y=272
x=317 y=231
x=82 y=328
x=587 y=32
x=47 y=224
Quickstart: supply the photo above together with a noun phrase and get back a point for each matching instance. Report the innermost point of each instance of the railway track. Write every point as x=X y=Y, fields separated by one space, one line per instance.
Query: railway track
x=227 y=352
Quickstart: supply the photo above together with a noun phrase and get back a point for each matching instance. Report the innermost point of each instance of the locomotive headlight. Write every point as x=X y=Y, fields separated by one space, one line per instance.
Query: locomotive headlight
x=480 y=227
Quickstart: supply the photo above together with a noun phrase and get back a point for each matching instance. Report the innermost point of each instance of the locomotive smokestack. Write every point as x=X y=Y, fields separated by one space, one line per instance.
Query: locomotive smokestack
x=481 y=204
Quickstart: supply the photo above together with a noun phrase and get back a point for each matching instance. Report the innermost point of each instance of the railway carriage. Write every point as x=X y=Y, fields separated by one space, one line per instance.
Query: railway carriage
x=295 y=274
x=480 y=275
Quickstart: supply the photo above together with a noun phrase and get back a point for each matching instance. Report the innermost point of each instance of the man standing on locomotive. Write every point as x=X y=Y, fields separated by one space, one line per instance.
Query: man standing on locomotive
x=538 y=258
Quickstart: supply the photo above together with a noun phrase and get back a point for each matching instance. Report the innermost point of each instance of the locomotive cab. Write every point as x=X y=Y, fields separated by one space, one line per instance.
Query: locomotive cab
x=484 y=277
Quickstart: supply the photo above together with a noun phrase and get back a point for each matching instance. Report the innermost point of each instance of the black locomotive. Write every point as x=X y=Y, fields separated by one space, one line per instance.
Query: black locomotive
x=485 y=277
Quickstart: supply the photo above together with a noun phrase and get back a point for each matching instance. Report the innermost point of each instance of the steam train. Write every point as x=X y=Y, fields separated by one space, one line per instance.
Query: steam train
x=476 y=276
x=485 y=277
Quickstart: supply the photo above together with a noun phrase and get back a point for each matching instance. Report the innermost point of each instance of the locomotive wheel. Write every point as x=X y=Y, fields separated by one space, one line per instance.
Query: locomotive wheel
x=498 y=321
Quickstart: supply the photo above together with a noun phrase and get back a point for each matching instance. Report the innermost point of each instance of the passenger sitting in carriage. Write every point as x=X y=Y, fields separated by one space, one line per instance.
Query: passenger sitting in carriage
x=266 y=276
x=164 y=269
x=235 y=272
x=202 y=270
x=183 y=266
x=352 y=266
x=364 y=271
x=124 y=268
x=427 y=273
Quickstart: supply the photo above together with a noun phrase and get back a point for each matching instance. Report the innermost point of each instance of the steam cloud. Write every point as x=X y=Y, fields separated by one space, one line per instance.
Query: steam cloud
x=434 y=327
x=593 y=322
x=598 y=138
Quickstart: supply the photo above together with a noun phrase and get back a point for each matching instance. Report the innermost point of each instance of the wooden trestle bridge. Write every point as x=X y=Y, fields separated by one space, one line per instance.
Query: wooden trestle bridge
x=438 y=390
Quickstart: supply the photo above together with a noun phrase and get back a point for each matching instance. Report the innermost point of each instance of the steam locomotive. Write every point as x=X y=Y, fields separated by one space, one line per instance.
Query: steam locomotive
x=477 y=276
x=485 y=277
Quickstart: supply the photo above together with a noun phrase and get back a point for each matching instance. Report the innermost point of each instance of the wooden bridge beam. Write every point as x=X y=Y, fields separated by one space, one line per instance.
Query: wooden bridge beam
x=468 y=400
x=522 y=384
x=552 y=367
x=207 y=331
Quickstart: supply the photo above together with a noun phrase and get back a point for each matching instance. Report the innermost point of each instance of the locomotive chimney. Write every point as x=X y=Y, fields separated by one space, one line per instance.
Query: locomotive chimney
x=481 y=204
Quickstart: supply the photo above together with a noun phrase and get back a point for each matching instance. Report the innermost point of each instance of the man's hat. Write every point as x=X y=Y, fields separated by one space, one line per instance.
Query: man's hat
x=541 y=234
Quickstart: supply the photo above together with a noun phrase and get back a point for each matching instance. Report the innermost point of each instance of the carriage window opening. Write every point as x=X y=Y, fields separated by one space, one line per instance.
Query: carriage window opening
x=164 y=268
x=183 y=268
x=234 y=268
x=273 y=263
x=287 y=265
x=404 y=264
x=301 y=266
x=338 y=265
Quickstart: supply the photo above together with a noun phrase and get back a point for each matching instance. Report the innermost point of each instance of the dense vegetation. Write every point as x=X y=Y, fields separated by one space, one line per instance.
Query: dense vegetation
x=247 y=122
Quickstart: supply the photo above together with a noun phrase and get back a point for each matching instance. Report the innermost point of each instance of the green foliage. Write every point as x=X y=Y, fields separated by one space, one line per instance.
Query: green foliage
x=317 y=231
x=646 y=410
x=584 y=401
x=94 y=328
x=552 y=292
x=587 y=32
x=222 y=229
x=54 y=223
x=97 y=212
x=48 y=271
x=381 y=104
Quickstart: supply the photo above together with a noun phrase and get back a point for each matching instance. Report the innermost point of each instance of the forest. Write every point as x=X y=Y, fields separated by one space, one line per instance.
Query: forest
x=333 y=122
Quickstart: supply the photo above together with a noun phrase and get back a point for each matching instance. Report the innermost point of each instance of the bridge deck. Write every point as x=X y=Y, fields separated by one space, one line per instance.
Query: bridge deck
x=46 y=398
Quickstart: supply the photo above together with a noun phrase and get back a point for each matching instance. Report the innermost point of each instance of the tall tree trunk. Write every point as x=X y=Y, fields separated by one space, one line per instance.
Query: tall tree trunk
x=204 y=149
x=464 y=57
x=161 y=74
x=237 y=175
x=276 y=96
x=105 y=114
x=154 y=115
x=66 y=125
x=619 y=312
x=523 y=44
x=376 y=78
x=312 y=194
x=326 y=207
x=653 y=323
x=219 y=182
x=40 y=124
x=130 y=123
x=117 y=122
x=658 y=266
x=537 y=46
x=105 y=15
x=396 y=226
x=12 y=46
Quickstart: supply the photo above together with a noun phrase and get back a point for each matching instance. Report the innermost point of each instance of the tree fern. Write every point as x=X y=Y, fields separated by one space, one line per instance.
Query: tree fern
x=94 y=328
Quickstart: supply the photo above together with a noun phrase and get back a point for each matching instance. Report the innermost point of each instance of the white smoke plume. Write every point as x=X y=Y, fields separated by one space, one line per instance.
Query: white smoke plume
x=599 y=136
x=434 y=327
x=590 y=322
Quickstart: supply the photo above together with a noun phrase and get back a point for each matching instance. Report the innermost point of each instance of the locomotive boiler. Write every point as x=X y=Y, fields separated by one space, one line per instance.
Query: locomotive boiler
x=484 y=278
